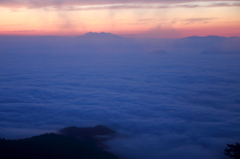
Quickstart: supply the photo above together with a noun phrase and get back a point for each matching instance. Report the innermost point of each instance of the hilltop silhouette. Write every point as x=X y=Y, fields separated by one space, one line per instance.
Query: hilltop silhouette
x=51 y=146
x=94 y=135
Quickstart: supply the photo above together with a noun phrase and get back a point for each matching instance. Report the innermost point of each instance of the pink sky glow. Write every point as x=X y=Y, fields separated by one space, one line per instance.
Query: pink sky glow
x=128 y=18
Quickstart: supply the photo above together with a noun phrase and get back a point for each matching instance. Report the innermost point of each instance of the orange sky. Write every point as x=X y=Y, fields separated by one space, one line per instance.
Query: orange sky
x=132 y=19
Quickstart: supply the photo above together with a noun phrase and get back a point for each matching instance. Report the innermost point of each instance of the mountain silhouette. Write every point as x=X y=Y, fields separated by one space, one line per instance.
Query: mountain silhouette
x=228 y=46
x=102 y=35
x=86 y=132
x=108 y=42
x=198 y=42
x=50 y=146
x=94 y=135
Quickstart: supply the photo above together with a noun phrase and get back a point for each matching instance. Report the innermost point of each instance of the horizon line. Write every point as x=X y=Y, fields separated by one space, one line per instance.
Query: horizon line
x=129 y=36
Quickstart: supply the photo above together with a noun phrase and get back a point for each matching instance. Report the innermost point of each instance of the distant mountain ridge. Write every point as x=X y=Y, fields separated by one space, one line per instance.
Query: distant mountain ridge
x=204 y=37
x=228 y=46
x=102 y=35
x=108 y=42
x=198 y=41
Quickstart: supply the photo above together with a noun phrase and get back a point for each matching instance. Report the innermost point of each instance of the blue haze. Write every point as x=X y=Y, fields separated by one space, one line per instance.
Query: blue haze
x=164 y=106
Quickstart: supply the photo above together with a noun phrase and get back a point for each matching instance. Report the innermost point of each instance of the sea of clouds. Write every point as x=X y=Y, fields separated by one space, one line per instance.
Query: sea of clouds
x=165 y=106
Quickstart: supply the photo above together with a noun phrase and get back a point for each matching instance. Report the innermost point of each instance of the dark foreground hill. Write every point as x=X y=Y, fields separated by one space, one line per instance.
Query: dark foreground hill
x=92 y=135
x=87 y=132
x=53 y=146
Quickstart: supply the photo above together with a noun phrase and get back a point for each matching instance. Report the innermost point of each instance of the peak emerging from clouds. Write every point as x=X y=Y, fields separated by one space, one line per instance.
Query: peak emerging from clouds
x=102 y=35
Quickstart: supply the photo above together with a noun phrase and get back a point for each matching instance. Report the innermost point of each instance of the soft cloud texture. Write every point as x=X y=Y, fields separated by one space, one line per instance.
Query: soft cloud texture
x=47 y=3
x=163 y=106
x=144 y=6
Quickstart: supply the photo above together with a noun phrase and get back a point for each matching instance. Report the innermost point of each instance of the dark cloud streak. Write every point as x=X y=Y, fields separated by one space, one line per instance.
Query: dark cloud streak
x=62 y=3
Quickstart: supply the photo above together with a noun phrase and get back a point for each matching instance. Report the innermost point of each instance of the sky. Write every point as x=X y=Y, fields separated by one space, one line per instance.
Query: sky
x=129 y=18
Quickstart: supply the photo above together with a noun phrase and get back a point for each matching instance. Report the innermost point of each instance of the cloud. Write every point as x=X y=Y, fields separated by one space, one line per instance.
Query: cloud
x=26 y=30
x=163 y=106
x=147 y=6
x=236 y=4
x=160 y=31
x=198 y=20
x=126 y=4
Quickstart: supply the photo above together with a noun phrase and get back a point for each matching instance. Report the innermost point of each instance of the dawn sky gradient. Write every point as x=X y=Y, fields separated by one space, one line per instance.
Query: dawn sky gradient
x=129 y=18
